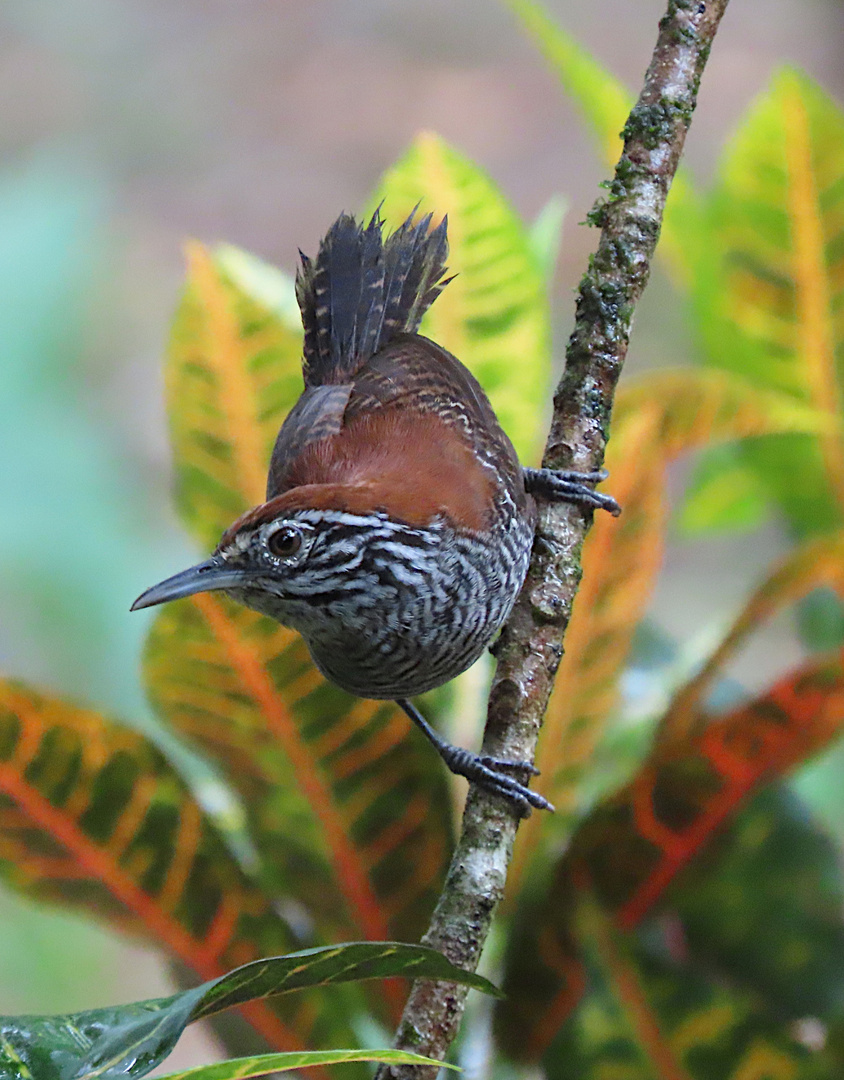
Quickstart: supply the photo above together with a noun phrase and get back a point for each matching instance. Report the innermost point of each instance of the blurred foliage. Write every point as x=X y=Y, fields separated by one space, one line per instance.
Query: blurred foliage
x=681 y=917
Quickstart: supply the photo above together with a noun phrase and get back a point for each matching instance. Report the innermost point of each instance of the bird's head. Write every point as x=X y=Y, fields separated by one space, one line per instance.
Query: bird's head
x=265 y=559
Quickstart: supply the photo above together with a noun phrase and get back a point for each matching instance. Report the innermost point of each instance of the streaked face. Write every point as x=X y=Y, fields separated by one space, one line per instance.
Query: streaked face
x=264 y=558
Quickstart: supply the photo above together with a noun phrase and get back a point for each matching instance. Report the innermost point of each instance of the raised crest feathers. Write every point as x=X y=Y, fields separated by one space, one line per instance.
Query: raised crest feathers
x=361 y=291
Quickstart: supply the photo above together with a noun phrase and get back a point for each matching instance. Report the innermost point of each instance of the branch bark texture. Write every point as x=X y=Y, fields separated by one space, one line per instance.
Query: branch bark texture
x=531 y=646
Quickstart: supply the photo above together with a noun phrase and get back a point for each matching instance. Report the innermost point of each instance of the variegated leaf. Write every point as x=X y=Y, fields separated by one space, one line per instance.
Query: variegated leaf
x=770 y=294
x=233 y=373
x=92 y=816
x=348 y=806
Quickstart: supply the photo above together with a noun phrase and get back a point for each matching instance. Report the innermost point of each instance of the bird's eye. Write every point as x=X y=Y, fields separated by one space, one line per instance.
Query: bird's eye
x=285 y=542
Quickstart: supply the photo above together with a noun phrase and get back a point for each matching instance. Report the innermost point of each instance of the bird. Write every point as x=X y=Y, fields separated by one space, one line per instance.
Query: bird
x=398 y=522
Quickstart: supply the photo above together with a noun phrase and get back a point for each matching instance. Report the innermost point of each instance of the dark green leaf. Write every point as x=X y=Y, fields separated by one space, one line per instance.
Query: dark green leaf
x=647 y=1015
x=130 y=1040
x=773 y=869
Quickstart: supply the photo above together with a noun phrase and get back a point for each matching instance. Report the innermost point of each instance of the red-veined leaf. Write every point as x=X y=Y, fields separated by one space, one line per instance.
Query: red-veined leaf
x=347 y=805
x=634 y=845
x=93 y=816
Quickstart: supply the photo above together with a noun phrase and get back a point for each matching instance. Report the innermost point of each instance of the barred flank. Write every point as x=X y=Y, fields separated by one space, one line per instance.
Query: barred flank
x=362 y=291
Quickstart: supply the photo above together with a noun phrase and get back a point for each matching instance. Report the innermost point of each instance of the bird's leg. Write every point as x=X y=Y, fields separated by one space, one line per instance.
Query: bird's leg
x=564 y=485
x=486 y=772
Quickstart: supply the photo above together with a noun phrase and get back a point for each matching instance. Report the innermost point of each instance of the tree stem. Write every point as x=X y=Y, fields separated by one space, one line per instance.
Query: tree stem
x=531 y=645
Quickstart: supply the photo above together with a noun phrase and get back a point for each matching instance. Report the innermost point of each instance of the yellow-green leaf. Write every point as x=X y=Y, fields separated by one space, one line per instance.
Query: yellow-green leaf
x=698 y=407
x=602 y=99
x=265 y=1064
x=494 y=315
x=233 y=372
x=770 y=298
x=546 y=233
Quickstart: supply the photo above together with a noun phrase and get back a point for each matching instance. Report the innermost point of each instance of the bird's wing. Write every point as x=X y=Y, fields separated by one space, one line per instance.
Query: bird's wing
x=317 y=414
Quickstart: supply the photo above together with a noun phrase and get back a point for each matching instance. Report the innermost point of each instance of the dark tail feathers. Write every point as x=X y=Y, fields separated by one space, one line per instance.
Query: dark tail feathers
x=363 y=290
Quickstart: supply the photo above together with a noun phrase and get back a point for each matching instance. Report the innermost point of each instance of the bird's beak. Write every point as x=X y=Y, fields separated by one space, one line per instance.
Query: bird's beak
x=204 y=577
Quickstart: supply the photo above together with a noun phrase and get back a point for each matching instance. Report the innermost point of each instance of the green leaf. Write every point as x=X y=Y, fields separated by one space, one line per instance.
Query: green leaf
x=241 y=1068
x=772 y=867
x=820 y=620
x=605 y=103
x=545 y=235
x=494 y=315
x=264 y=283
x=723 y=495
x=769 y=291
x=130 y=1040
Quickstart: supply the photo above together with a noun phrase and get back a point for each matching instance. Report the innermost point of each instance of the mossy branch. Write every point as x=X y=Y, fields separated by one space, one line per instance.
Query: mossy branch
x=531 y=645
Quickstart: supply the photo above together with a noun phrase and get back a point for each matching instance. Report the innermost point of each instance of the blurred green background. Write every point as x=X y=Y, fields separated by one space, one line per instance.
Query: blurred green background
x=128 y=125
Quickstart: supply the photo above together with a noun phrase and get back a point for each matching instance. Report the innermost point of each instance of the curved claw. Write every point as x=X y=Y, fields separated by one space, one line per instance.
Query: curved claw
x=562 y=485
x=483 y=770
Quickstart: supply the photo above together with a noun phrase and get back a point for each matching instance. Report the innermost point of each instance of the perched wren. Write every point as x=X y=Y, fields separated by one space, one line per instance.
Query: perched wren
x=398 y=524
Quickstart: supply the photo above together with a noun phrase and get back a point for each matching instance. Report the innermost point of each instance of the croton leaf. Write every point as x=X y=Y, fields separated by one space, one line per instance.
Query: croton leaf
x=763 y=908
x=349 y=808
x=93 y=816
x=769 y=292
x=657 y=418
x=130 y=1040
x=648 y=1014
x=633 y=846
x=494 y=315
x=233 y=372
